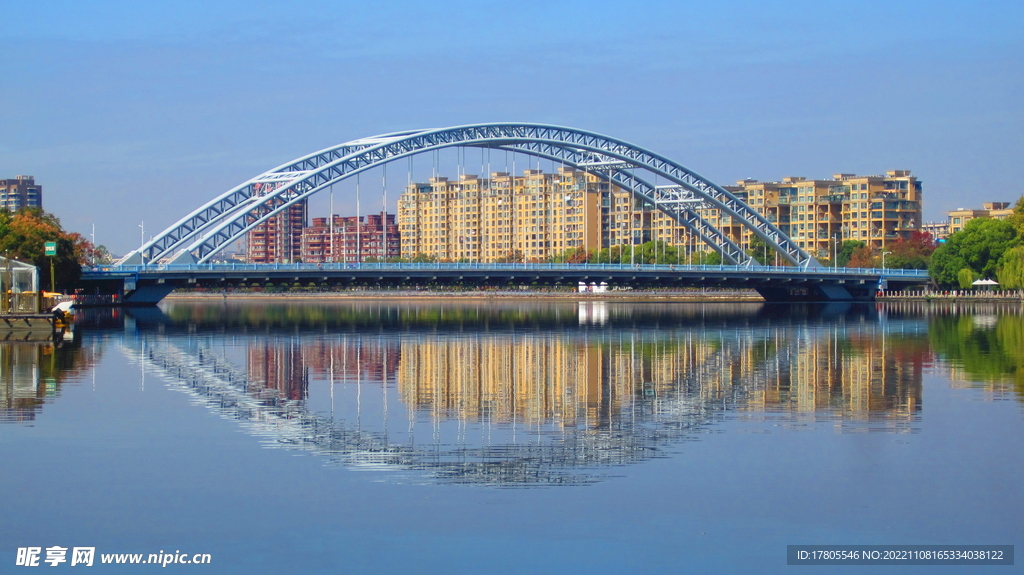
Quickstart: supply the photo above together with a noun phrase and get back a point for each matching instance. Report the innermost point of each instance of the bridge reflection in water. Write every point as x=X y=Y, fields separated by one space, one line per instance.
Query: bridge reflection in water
x=530 y=395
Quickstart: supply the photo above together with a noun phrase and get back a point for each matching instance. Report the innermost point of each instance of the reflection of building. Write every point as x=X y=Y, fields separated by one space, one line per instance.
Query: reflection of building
x=355 y=239
x=32 y=373
x=279 y=368
x=279 y=239
x=592 y=383
x=531 y=379
x=354 y=359
x=21 y=192
x=282 y=368
x=584 y=398
x=855 y=376
x=959 y=217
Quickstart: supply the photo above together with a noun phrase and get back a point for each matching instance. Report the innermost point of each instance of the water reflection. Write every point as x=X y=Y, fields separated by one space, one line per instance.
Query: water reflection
x=982 y=343
x=523 y=394
x=33 y=372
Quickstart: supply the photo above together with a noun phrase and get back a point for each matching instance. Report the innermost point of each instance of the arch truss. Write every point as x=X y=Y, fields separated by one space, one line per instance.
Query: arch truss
x=229 y=217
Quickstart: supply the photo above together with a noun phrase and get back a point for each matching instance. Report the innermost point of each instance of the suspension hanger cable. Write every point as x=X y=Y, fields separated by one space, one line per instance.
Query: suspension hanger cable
x=330 y=226
x=359 y=235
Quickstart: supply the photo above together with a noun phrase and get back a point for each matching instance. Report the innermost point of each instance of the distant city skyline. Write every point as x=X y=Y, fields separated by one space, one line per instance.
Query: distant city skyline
x=128 y=113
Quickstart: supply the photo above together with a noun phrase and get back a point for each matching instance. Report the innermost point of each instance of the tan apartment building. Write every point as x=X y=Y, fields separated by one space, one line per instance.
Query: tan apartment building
x=535 y=215
x=543 y=215
x=815 y=214
x=959 y=217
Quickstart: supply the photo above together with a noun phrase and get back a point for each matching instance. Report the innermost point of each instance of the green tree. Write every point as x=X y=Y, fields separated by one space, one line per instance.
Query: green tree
x=610 y=255
x=987 y=353
x=101 y=255
x=23 y=236
x=1011 y=269
x=965 y=278
x=656 y=253
x=979 y=246
x=422 y=258
x=846 y=252
x=707 y=258
x=760 y=251
x=1017 y=218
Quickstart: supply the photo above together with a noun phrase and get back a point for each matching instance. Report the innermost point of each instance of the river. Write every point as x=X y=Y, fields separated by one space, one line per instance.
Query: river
x=513 y=436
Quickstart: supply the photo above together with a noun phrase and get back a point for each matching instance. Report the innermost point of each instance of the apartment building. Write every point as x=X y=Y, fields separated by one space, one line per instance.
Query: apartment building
x=533 y=216
x=351 y=239
x=20 y=192
x=539 y=215
x=877 y=210
x=938 y=230
x=959 y=217
x=279 y=239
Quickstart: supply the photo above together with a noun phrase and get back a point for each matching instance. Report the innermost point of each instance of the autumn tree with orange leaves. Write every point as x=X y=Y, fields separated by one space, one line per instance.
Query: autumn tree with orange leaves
x=23 y=236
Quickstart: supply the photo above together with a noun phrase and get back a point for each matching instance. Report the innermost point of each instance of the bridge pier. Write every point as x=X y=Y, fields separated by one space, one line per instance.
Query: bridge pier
x=817 y=293
x=148 y=294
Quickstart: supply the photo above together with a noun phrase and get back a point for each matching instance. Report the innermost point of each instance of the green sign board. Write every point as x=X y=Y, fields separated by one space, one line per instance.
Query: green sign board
x=51 y=248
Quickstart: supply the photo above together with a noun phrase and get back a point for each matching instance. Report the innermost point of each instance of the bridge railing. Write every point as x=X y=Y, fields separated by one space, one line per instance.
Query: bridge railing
x=452 y=267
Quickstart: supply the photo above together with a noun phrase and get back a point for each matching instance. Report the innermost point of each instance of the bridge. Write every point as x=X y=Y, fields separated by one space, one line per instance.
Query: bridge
x=183 y=254
x=147 y=285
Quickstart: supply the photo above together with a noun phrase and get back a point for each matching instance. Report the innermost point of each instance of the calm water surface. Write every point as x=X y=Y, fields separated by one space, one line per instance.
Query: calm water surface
x=512 y=436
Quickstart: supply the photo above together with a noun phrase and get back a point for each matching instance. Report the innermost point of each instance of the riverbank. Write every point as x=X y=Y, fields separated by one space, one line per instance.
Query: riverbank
x=953 y=295
x=687 y=296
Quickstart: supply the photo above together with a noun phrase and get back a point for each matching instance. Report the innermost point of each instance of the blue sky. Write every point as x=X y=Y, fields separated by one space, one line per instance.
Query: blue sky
x=140 y=111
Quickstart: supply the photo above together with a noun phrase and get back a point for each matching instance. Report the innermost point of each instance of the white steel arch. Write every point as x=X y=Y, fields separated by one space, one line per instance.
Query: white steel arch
x=229 y=217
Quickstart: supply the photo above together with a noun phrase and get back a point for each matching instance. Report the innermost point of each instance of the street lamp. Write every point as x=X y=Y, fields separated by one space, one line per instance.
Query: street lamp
x=883 y=259
x=835 y=252
x=142 y=235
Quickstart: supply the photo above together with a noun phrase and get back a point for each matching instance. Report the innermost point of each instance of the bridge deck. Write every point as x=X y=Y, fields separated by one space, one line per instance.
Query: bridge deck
x=148 y=284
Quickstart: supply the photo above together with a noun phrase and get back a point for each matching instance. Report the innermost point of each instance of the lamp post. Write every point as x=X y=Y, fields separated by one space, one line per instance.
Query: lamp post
x=142 y=244
x=835 y=252
x=883 y=259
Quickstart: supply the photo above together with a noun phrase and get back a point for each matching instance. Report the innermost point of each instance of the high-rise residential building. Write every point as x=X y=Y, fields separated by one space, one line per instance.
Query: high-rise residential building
x=20 y=192
x=530 y=217
x=536 y=216
x=959 y=217
x=279 y=239
x=351 y=239
x=816 y=214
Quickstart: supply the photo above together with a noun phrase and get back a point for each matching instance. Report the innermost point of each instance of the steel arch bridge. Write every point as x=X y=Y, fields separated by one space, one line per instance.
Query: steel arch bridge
x=200 y=235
